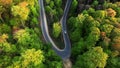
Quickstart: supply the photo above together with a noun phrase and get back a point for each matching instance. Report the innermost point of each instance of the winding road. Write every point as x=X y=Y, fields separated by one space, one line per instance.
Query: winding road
x=63 y=53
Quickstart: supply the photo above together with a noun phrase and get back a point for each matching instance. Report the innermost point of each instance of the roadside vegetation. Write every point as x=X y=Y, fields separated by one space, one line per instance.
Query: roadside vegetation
x=93 y=27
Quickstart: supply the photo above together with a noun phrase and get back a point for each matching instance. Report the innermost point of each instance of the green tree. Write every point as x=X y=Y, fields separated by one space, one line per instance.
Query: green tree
x=56 y=29
x=94 y=58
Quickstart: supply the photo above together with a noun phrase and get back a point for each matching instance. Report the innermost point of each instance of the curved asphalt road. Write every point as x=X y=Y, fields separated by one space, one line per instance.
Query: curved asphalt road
x=66 y=52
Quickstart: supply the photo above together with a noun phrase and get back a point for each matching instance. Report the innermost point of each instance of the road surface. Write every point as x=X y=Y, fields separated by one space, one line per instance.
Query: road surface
x=63 y=53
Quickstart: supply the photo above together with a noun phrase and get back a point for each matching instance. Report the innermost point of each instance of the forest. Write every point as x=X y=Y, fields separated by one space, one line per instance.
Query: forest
x=93 y=27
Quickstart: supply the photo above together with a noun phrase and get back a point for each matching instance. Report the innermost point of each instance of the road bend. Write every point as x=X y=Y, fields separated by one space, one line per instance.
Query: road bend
x=63 y=53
